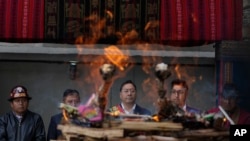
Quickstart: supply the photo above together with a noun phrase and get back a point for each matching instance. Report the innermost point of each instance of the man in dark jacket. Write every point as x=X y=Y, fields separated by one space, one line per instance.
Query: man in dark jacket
x=179 y=93
x=70 y=97
x=21 y=124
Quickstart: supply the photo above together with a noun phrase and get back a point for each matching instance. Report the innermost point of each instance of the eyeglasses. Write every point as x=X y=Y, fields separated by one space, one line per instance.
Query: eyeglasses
x=178 y=92
x=129 y=90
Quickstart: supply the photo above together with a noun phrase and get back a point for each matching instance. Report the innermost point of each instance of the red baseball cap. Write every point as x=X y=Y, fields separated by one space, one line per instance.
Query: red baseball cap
x=19 y=92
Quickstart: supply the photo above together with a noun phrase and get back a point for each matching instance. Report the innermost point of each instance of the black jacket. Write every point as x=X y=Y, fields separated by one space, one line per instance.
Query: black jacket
x=53 y=132
x=31 y=127
x=55 y=120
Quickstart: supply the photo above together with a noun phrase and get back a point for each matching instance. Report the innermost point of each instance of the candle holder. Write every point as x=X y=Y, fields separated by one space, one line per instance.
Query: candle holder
x=107 y=71
x=162 y=73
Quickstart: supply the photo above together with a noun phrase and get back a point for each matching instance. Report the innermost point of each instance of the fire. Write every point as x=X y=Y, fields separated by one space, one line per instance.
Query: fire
x=99 y=29
x=149 y=88
x=115 y=113
x=224 y=120
x=177 y=71
x=116 y=56
x=156 y=118
x=64 y=112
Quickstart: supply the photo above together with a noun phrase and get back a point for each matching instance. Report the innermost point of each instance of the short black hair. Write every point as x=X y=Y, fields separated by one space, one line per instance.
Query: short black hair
x=127 y=82
x=68 y=92
x=179 y=82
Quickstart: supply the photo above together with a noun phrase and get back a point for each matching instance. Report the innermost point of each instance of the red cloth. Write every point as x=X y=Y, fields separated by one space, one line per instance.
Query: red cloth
x=201 y=20
x=22 y=19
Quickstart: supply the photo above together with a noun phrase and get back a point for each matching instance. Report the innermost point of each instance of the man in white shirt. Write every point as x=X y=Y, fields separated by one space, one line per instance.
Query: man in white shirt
x=128 y=101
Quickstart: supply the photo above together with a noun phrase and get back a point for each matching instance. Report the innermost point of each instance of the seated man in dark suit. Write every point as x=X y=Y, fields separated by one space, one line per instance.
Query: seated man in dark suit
x=70 y=97
x=128 y=101
x=179 y=93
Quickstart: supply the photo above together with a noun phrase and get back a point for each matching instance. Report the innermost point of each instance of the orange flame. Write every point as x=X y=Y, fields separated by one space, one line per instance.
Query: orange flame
x=177 y=71
x=182 y=73
x=156 y=118
x=224 y=120
x=116 y=56
x=101 y=28
x=115 y=113
x=65 y=115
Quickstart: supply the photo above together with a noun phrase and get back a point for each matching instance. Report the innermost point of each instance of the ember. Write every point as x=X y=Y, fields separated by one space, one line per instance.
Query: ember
x=116 y=57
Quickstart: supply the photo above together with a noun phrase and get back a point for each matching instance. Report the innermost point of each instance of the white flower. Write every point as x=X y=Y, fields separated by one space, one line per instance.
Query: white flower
x=161 y=67
x=107 y=68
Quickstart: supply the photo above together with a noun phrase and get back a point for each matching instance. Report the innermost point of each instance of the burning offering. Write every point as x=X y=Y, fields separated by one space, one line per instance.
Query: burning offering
x=117 y=57
x=107 y=71
x=162 y=73
x=93 y=110
x=169 y=110
x=93 y=123
x=90 y=111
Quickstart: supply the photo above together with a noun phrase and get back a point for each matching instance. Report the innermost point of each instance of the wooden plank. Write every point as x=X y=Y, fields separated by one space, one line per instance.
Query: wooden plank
x=91 y=132
x=148 y=138
x=147 y=126
x=203 y=133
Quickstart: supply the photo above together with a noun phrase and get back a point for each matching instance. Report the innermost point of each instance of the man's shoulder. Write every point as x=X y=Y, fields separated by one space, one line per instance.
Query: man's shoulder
x=6 y=115
x=57 y=116
x=33 y=114
x=193 y=110
x=245 y=113
x=56 y=119
x=244 y=117
x=141 y=110
x=213 y=110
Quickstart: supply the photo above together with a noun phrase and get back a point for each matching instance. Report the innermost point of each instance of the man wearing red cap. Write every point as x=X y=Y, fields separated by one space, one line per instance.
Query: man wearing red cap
x=21 y=124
